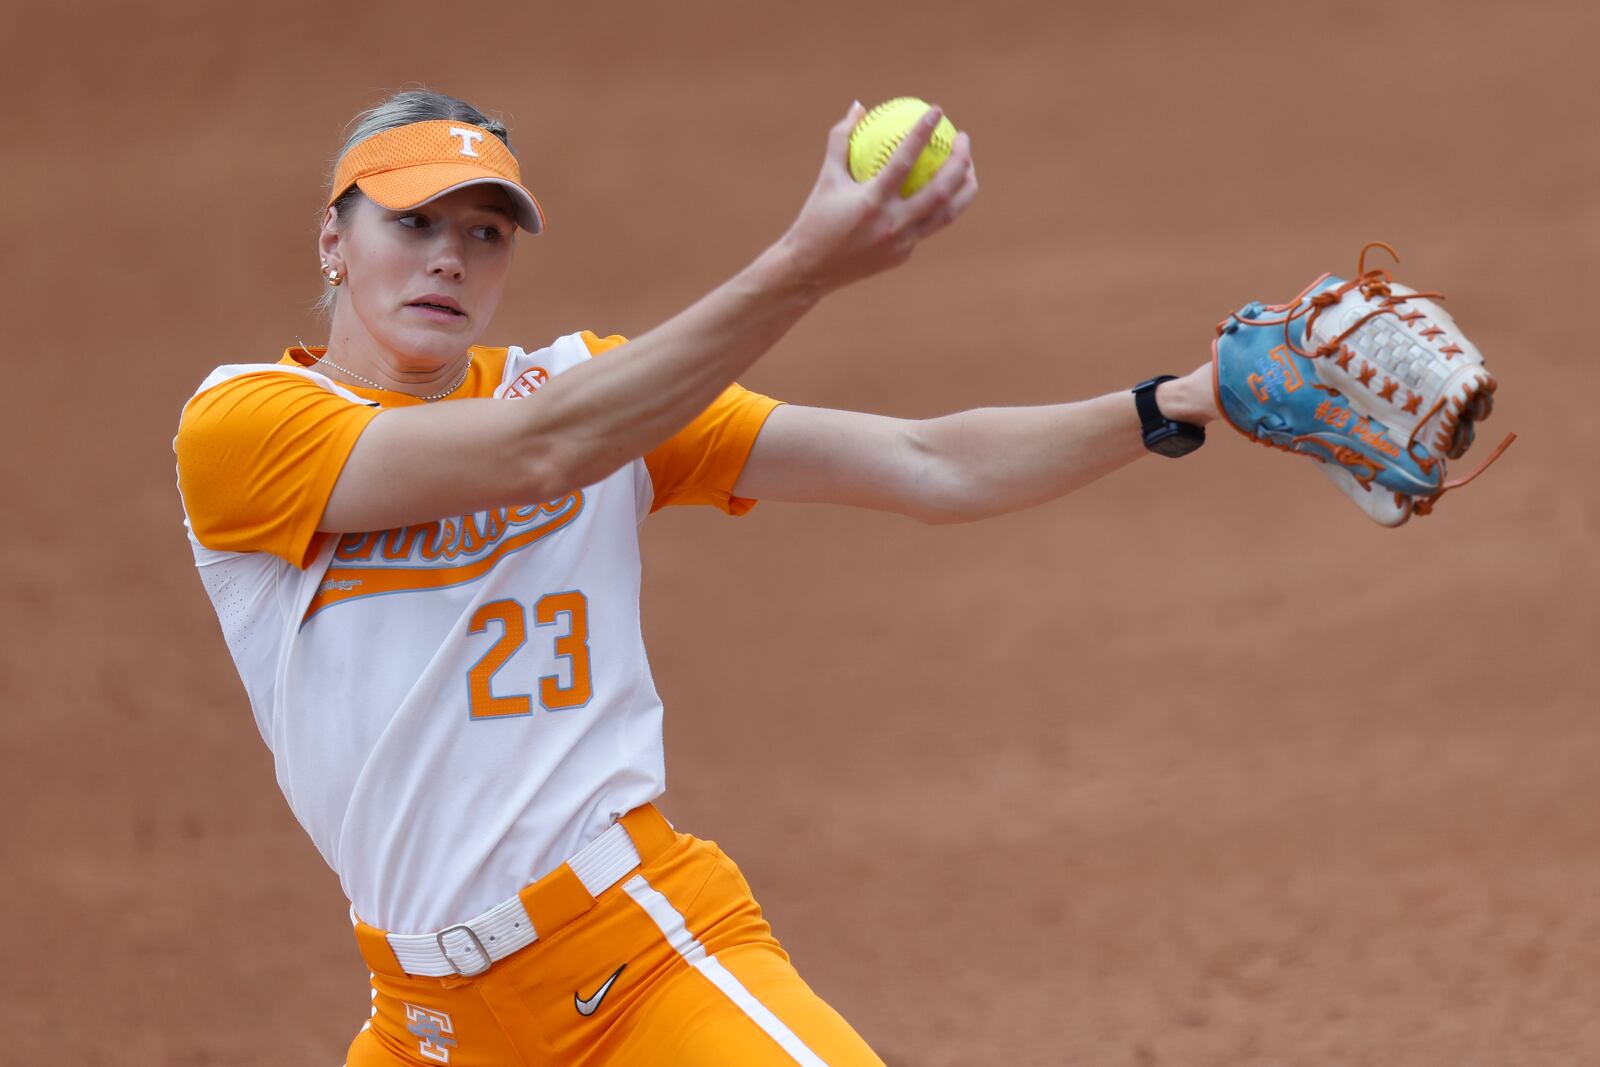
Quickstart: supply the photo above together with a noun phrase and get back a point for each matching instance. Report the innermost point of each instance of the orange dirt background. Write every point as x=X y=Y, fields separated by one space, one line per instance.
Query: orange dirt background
x=1197 y=767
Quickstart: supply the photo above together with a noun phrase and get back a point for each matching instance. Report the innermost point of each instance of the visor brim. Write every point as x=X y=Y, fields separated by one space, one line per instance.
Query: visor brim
x=409 y=187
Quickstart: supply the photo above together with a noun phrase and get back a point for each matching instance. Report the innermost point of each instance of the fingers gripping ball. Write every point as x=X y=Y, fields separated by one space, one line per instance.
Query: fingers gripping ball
x=877 y=135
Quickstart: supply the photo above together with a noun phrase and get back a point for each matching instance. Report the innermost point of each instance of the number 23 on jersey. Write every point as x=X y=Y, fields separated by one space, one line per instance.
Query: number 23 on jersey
x=566 y=615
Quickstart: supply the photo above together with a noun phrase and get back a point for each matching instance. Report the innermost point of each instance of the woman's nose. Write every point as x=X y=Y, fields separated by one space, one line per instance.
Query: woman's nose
x=447 y=258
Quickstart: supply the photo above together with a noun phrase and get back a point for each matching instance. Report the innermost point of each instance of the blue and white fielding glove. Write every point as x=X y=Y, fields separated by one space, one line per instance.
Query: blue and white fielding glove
x=1369 y=377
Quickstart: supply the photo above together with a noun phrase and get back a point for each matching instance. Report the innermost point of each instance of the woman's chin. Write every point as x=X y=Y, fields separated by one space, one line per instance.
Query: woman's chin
x=432 y=346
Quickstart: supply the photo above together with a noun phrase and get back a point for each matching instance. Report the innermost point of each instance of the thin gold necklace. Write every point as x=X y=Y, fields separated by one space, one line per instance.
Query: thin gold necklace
x=368 y=381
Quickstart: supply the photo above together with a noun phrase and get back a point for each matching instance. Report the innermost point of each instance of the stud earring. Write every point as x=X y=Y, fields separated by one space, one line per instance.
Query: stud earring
x=333 y=278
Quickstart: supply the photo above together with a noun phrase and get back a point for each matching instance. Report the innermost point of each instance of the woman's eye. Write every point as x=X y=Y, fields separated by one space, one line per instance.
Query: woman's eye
x=487 y=233
x=415 y=222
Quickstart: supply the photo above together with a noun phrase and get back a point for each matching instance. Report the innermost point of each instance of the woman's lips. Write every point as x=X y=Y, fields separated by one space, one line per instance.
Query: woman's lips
x=438 y=311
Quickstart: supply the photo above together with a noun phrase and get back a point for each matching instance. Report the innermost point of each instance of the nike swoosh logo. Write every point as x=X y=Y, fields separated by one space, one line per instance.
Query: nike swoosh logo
x=587 y=1006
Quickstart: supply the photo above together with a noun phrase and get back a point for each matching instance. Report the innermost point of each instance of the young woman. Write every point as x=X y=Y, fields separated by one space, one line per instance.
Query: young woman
x=423 y=555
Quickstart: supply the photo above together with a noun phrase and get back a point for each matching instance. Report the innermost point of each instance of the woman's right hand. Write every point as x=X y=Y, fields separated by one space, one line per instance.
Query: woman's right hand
x=850 y=230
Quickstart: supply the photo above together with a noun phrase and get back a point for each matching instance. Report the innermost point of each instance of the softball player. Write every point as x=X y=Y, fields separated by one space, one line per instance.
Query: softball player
x=423 y=554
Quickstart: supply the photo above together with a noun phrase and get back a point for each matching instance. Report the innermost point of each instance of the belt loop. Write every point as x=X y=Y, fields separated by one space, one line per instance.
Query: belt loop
x=555 y=900
x=652 y=834
x=376 y=950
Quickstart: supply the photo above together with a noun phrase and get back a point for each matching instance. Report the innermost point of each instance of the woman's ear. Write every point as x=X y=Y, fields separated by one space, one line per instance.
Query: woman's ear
x=328 y=240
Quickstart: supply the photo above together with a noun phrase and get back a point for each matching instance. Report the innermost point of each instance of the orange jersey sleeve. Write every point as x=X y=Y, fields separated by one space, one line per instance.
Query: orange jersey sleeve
x=701 y=463
x=258 y=456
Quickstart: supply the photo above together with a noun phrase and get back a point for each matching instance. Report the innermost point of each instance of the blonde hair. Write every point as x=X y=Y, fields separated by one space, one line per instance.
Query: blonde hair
x=401 y=109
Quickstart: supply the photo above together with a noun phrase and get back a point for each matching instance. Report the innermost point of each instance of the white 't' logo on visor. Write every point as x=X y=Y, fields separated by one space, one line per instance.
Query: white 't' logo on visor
x=468 y=139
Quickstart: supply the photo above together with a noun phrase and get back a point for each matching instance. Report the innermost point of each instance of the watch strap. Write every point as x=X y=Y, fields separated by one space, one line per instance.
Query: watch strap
x=1144 y=400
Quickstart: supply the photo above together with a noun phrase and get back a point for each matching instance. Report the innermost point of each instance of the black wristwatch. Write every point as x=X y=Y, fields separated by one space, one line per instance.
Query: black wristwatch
x=1164 y=436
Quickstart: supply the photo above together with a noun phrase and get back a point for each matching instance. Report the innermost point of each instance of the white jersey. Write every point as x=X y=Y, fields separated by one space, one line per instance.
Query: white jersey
x=453 y=708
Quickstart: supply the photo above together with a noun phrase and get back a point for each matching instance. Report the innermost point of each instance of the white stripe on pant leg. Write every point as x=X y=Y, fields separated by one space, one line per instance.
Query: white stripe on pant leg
x=673 y=928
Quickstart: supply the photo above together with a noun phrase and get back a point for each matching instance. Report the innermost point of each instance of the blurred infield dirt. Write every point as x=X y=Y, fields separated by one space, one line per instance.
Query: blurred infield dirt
x=1196 y=767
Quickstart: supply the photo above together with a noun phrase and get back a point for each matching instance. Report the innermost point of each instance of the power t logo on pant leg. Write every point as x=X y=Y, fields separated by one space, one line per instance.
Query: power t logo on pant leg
x=433 y=1030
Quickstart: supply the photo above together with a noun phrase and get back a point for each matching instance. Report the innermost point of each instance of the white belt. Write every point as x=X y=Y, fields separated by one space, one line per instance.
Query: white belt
x=471 y=947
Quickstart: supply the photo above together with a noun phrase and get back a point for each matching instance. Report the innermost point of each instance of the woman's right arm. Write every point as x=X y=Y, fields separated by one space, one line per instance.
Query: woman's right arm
x=416 y=464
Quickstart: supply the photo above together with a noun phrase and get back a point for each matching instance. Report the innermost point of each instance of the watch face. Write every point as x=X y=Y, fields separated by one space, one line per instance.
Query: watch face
x=1175 y=439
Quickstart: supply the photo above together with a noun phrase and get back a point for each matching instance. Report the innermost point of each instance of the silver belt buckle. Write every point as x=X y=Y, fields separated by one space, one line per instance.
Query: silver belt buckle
x=477 y=944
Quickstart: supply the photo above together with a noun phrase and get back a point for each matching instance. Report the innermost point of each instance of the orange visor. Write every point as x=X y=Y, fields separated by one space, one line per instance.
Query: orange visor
x=410 y=165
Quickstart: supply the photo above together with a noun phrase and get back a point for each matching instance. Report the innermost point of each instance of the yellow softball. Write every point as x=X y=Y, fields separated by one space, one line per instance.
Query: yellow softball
x=877 y=135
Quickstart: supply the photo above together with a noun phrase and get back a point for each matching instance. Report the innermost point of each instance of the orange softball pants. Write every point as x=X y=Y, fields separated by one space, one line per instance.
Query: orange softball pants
x=674 y=965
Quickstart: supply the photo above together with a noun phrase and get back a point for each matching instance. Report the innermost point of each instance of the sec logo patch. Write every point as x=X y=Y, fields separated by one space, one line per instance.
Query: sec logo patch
x=528 y=382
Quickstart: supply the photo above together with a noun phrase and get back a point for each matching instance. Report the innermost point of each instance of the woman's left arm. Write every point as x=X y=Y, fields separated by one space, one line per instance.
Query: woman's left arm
x=961 y=467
